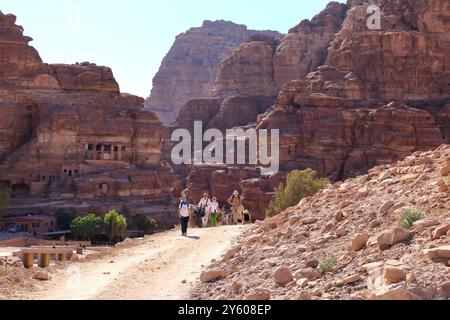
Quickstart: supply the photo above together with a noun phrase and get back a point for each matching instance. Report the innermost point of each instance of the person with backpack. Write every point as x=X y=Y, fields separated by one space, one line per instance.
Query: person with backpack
x=184 y=211
x=235 y=201
x=204 y=208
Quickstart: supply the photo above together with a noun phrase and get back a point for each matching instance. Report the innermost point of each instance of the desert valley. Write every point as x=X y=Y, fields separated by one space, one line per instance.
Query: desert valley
x=367 y=109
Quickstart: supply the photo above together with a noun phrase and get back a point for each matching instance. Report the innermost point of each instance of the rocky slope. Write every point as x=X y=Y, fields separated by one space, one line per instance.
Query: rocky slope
x=192 y=64
x=57 y=145
x=357 y=222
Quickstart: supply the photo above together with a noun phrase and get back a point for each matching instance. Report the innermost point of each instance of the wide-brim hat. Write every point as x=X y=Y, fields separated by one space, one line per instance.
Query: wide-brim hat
x=235 y=193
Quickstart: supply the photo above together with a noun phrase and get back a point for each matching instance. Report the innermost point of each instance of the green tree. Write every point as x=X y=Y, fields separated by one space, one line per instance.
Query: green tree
x=115 y=226
x=145 y=224
x=299 y=185
x=85 y=228
x=64 y=219
x=5 y=195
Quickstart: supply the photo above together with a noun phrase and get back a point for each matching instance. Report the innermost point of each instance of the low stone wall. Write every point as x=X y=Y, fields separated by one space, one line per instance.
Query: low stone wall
x=26 y=242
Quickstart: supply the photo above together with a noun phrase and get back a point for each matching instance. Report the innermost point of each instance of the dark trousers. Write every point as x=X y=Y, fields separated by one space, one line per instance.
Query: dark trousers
x=184 y=224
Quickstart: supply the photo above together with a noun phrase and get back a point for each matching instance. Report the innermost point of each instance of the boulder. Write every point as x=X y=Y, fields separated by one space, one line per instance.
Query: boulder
x=213 y=276
x=351 y=279
x=283 y=276
x=391 y=237
x=394 y=292
x=393 y=275
x=425 y=223
x=359 y=242
x=309 y=274
x=42 y=275
x=258 y=295
x=438 y=253
x=441 y=231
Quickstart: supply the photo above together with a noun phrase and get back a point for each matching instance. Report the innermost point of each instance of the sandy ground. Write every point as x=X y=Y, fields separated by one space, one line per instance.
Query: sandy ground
x=165 y=266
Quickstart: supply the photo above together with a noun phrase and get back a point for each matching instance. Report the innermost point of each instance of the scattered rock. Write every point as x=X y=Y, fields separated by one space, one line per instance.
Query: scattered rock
x=213 y=276
x=391 y=237
x=425 y=223
x=393 y=275
x=283 y=276
x=303 y=296
x=340 y=231
x=312 y=264
x=351 y=279
x=394 y=292
x=438 y=253
x=359 y=242
x=42 y=275
x=259 y=295
x=386 y=206
x=309 y=274
x=441 y=231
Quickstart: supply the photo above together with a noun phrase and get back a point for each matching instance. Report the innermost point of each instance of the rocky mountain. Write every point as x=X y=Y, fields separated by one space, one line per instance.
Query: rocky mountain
x=69 y=140
x=357 y=98
x=193 y=63
x=353 y=233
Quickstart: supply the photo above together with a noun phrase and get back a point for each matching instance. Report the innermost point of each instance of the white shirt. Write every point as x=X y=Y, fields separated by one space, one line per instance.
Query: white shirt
x=184 y=209
x=204 y=203
x=214 y=206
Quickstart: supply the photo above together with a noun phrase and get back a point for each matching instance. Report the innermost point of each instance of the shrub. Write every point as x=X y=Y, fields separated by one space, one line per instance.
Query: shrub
x=115 y=226
x=145 y=224
x=85 y=228
x=327 y=265
x=300 y=184
x=409 y=216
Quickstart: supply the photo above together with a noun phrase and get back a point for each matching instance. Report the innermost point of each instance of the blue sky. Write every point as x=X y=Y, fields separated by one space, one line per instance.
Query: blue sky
x=133 y=36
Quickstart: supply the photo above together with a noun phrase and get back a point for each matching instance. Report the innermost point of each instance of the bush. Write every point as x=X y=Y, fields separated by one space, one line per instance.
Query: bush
x=327 y=265
x=85 y=228
x=300 y=184
x=64 y=219
x=115 y=226
x=145 y=224
x=409 y=216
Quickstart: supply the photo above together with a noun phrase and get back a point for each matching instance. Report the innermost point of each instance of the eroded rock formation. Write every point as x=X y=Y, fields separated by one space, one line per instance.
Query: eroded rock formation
x=192 y=64
x=351 y=97
x=71 y=141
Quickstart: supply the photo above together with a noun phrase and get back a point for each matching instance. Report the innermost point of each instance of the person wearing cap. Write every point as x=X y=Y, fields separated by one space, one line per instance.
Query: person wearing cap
x=204 y=205
x=235 y=201
x=214 y=208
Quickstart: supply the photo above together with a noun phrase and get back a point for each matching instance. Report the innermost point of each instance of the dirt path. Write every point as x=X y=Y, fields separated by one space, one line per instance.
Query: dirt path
x=152 y=269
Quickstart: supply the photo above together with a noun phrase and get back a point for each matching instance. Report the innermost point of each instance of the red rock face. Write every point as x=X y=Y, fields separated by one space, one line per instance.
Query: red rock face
x=70 y=141
x=372 y=98
x=18 y=59
x=192 y=64
x=261 y=66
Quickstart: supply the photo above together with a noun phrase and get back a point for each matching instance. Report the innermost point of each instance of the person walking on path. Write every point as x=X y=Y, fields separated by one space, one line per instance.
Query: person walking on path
x=215 y=211
x=235 y=201
x=184 y=211
x=204 y=205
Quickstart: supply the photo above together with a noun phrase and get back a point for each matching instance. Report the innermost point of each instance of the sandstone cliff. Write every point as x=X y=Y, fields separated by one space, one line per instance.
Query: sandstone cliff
x=192 y=64
x=371 y=98
x=69 y=140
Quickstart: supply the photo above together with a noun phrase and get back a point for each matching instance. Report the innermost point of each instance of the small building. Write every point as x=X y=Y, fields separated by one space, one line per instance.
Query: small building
x=31 y=224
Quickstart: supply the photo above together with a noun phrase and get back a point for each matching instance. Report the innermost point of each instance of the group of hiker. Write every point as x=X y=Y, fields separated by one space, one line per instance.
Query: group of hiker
x=209 y=212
